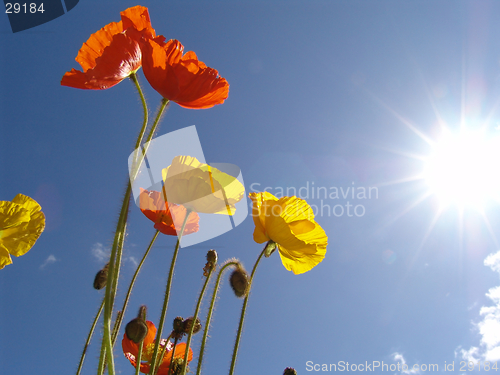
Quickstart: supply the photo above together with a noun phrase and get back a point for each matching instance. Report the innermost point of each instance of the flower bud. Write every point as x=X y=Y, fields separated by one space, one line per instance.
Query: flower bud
x=289 y=371
x=212 y=256
x=101 y=278
x=187 y=325
x=136 y=330
x=239 y=281
x=211 y=262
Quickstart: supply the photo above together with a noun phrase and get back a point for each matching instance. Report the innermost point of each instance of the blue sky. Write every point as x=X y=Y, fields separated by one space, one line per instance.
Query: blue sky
x=340 y=94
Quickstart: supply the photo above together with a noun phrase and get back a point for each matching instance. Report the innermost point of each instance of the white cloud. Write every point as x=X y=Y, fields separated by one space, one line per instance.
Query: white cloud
x=398 y=357
x=100 y=252
x=50 y=259
x=489 y=326
x=133 y=261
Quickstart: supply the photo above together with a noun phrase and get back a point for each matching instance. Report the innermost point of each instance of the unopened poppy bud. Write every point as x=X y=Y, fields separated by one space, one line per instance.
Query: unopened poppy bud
x=211 y=262
x=179 y=324
x=239 y=281
x=136 y=330
x=187 y=325
x=289 y=371
x=212 y=256
x=101 y=278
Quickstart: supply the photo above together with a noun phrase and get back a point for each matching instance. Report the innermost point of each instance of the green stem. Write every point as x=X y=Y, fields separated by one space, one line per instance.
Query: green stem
x=129 y=292
x=138 y=359
x=209 y=315
x=154 y=360
x=89 y=337
x=116 y=251
x=242 y=317
x=197 y=310
x=111 y=286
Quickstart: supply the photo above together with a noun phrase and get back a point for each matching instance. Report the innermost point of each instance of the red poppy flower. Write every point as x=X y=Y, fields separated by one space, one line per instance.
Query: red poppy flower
x=182 y=79
x=131 y=350
x=168 y=218
x=112 y=53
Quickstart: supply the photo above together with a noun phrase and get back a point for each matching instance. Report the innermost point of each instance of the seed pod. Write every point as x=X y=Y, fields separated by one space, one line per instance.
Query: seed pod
x=179 y=324
x=187 y=325
x=239 y=281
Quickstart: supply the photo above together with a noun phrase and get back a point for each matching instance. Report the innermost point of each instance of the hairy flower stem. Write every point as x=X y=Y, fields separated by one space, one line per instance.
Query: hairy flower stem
x=209 y=314
x=119 y=321
x=154 y=360
x=89 y=337
x=242 y=317
x=116 y=251
x=195 y=316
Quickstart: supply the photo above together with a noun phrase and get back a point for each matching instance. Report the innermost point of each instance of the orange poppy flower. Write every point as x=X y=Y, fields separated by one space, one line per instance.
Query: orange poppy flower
x=168 y=218
x=131 y=350
x=112 y=53
x=182 y=79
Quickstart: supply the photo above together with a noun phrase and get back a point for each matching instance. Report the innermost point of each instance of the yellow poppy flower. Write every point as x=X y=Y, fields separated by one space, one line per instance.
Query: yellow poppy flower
x=289 y=222
x=21 y=223
x=201 y=188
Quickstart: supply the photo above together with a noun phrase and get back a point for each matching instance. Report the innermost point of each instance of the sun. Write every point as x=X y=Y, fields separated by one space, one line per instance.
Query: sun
x=464 y=168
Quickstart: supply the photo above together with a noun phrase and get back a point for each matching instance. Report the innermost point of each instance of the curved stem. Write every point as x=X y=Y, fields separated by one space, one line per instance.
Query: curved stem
x=154 y=360
x=89 y=337
x=197 y=310
x=209 y=315
x=242 y=317
x=133 y=78
x=129 y=292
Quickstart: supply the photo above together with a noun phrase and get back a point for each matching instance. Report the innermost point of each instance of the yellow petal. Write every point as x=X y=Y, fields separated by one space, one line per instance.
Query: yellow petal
x=4 y=257
x=12 y=214
x=28 y=203
x=303 y=260
x=21 y=223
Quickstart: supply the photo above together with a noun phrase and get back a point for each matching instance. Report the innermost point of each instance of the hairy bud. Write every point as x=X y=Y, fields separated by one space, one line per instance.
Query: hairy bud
x=101 y=278
x=240 y=281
